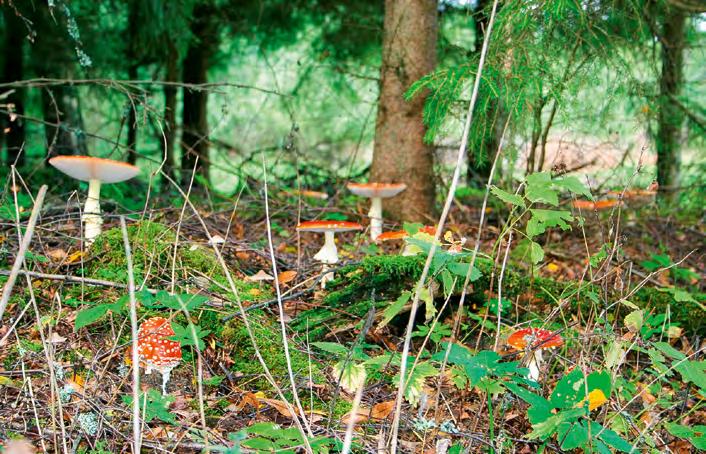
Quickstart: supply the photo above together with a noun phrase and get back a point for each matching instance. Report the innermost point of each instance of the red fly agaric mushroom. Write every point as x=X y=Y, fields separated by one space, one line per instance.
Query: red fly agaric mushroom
x=95 y=171
x=155 y=351
x=534 y=340
x=376 y=192
x=328 y=255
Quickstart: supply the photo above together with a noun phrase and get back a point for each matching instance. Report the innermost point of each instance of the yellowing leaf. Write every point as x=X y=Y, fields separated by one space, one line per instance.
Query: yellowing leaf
x=552 y=267
x=352 y=376
x=596 y=398
x=255 y=292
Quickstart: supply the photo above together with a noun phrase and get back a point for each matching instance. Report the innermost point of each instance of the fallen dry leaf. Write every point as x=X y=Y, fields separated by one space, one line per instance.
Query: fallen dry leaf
x=286 y=276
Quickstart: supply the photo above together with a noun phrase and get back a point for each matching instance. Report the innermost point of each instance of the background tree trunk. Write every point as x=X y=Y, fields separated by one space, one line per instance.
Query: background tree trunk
x=13 y=70
x=132 y=74
x=170 y=102
x=670 y=117
x=400 y=154
x=495 y=115
x=194 y=135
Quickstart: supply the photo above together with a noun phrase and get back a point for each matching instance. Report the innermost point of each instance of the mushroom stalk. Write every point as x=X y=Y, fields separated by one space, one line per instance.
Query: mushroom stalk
x=534 y=364
x=92 y=219
x=328 y=253
x=165 y=380
x=327 y=276
x=375 y=215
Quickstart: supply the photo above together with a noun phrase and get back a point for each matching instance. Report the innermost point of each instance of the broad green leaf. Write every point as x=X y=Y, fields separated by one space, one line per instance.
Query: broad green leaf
x=573 y=184
x=536 y=252
x=90 y=315
x=539 y=189
x=415 y=381
x=633 y=321
x=506 y=197
x=393 y=309
x=573 y=435
x=267 y=429
x=185 y=335
x=155 y=405
x=429 y=308
x=669 y=350
x=610 y=437
x=461 y=269
x=331 y=347
x=260 y=444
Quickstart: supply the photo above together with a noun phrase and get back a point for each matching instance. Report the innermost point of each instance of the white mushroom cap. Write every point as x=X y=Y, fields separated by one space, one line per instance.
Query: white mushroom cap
x=86 y=168
x=382 y=190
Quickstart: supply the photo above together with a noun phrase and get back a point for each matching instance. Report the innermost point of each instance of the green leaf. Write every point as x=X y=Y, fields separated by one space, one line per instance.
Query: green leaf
x=90 y=315
x=506 y=197
x=429 y=308
x=575 y=437
x=352 y=376
x=536 y=252
x=633 y=321
x=610 y=438
x=415 y=380
x=539 y=189
x=155 y=405
x=216 y=380
x=262 y=444
x=266 y=429
x=185 y=335
x=393 y=309
x=184 y=301
x=573 y=184
x=461 y=269
x=331 y=347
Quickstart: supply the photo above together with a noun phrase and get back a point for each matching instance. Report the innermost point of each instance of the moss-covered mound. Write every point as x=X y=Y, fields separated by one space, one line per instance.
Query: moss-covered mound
x=385 y=277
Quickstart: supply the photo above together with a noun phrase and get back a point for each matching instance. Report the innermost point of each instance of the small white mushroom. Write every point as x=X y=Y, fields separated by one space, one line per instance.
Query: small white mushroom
x=376 y=192
x=95 y=171
x=328 y=254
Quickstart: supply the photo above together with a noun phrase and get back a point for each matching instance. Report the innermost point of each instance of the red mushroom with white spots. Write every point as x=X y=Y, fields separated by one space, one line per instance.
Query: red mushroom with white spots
x=534 y=340
x=155 y=351
x=376 y=192
x=328 y=255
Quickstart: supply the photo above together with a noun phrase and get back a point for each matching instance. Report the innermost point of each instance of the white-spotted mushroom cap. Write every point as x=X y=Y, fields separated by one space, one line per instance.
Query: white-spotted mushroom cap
x=86 y=168
x=381 y=190
x=534 y=338
x=154 y=349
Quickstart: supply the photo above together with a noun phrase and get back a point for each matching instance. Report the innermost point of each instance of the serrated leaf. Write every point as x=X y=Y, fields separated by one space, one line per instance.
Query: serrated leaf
x=352 y=376
x=633 y=321
x=90 y=315
x=539 y=189
x=393 y=309
x=429 y=308
x=461 y=269
x=331 y=347
x=536 y=252
x=185 y=335
x=573 y=184
x=506 y=197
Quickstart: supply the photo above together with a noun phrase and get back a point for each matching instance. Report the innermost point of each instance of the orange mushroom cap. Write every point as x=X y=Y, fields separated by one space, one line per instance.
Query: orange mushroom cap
x=86 y=168
x=153 y=347
x=392 y=235
x=597 y=205
x=323 y=226
x=534 y=338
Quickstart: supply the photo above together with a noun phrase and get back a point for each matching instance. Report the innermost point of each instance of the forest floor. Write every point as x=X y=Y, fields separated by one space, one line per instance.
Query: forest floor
x=64 y=373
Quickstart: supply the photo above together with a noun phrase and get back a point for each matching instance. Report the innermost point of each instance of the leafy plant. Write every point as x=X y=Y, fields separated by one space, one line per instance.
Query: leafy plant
x=567 y=413
x=154 y=405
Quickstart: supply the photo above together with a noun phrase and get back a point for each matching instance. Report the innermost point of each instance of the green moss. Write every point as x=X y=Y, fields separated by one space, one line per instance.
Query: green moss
x=153 y=256
x=386 y=277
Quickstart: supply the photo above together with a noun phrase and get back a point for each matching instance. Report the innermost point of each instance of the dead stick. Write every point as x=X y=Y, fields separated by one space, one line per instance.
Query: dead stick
x=19 y=260
x=72 y=279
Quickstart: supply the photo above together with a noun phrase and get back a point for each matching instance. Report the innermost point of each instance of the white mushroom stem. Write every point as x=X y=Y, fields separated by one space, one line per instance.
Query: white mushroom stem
x=534 y=365
x=165 y=379
x=375 y=215
x=327 y=276
x=328 y=253
x=92 y=220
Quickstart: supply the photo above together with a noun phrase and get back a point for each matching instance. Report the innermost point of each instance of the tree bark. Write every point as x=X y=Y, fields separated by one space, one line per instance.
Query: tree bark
x=400 y=154
x=194 y=135
x=132 y=74
x=13 y=70
x=494 y=113
x=670 y=116
x=170 y=102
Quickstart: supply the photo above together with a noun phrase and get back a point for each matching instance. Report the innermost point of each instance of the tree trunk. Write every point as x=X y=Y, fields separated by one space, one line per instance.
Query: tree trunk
x=132 y=74
x=132 y=120
x=194 y=135
x=671 y=117
x=170 y=100
x=495 y=115
x=400 y=154
x=13 y=70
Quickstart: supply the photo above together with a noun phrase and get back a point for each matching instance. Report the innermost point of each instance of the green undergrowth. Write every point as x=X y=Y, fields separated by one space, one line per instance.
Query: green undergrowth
x=153 y=256
x=383 y=278
x=233 y=337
